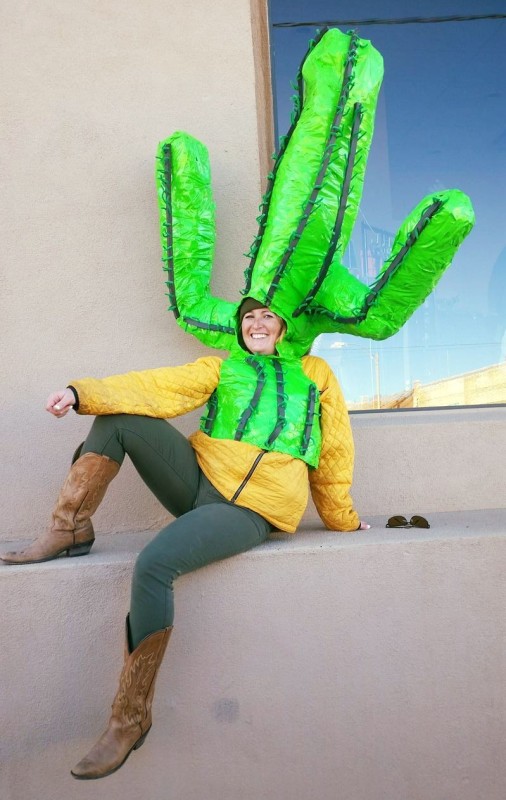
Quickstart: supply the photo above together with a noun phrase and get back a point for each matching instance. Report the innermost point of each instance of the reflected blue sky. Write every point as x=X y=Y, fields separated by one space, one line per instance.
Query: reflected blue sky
x=441 y=123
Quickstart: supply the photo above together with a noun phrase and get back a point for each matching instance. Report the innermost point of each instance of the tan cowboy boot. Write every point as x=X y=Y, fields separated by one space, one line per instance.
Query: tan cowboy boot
x=72 y=532
x=131 y=710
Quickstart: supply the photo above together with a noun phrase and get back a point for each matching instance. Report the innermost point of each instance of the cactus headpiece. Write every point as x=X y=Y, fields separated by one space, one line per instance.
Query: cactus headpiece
x=306 y=218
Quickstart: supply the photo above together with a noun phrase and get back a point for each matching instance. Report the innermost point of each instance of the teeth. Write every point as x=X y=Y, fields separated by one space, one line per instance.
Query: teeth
x=258 y=335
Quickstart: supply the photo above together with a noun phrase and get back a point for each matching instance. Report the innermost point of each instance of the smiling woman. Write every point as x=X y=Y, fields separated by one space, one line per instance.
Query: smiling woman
x=261 y=328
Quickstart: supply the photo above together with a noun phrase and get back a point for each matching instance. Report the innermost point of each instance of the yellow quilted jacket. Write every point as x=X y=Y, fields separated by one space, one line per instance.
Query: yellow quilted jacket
x=275 y=486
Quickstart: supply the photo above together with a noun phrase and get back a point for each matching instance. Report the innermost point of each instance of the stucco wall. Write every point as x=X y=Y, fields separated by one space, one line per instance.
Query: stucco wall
x=341 y=667
x=88 y=90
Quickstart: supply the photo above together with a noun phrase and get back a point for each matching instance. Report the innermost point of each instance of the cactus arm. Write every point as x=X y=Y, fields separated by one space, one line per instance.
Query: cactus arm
x=422 y=250
x=319 y=177
x=187 y=229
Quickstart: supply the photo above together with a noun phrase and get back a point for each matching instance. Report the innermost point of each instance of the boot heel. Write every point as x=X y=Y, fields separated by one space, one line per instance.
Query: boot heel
x=141 y=741
x=80 y=549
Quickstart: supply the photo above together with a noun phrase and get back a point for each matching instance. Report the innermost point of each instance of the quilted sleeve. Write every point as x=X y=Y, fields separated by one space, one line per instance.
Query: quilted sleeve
x=164 y=393
x=331 y=481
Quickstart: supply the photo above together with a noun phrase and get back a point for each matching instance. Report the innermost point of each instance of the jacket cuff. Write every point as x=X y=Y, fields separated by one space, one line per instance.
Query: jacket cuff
x=76 y=397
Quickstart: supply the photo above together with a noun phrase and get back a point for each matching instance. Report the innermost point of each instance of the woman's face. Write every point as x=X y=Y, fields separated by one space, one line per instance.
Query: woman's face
x=261 y=329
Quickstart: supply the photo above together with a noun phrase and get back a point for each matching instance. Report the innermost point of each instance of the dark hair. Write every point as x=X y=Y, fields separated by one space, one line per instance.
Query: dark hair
x=248 y=304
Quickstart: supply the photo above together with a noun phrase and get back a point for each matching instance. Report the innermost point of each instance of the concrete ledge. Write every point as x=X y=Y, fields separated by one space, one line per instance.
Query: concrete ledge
x=367 y=666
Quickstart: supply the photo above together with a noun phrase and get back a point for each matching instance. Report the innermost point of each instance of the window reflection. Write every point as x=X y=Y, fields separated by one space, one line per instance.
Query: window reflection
x=440 y=123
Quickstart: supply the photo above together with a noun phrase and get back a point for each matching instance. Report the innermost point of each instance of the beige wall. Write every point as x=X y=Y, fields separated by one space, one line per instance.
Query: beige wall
x=88 y=90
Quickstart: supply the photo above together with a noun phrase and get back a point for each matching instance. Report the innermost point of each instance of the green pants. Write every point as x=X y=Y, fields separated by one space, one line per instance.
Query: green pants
x=207 y=528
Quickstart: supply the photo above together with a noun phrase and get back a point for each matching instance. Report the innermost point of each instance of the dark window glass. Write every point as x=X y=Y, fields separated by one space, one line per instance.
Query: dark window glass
x=440 y=123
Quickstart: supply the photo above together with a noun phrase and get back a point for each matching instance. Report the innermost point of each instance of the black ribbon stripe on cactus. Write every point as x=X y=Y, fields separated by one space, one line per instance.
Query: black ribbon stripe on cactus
x=254 y=400
x=376 y=287
x=314 y=311
x=169 y=264
x=357 y=117
x=413 y=236
x=308 y=424
x=327 y=154
x=212 y=410
x=209 y=326
x=281 y=403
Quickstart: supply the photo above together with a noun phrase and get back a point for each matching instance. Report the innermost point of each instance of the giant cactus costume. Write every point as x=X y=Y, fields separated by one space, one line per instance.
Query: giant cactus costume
x=307 y=216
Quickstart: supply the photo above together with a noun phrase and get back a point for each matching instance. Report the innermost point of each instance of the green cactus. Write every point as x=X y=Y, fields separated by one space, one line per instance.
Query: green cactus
x=307 y=217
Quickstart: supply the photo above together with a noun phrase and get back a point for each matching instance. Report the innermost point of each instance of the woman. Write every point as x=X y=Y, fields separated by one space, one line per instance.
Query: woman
x=227 y=494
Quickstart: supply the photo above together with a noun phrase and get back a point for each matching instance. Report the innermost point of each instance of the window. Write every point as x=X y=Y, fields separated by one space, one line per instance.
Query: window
x=440 y=123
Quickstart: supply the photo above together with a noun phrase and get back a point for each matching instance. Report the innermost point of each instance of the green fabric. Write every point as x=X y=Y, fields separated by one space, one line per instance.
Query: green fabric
x=306 y=217
x=208 y=533
x=187 y=232
x=162 y=456
x=269 y=402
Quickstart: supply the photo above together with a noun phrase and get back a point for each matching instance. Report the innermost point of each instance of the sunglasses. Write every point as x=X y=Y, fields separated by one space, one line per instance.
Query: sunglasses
x=402 y=522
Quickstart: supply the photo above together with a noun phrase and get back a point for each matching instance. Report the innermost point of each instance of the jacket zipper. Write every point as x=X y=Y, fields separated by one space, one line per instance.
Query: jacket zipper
x=248 y=476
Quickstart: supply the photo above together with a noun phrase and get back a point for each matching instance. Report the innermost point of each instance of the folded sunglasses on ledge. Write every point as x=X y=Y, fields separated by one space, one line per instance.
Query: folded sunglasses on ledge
x=402 y=522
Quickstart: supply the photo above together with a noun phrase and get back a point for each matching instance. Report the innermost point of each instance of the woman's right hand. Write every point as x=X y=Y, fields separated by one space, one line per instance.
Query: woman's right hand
x=59 y=403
